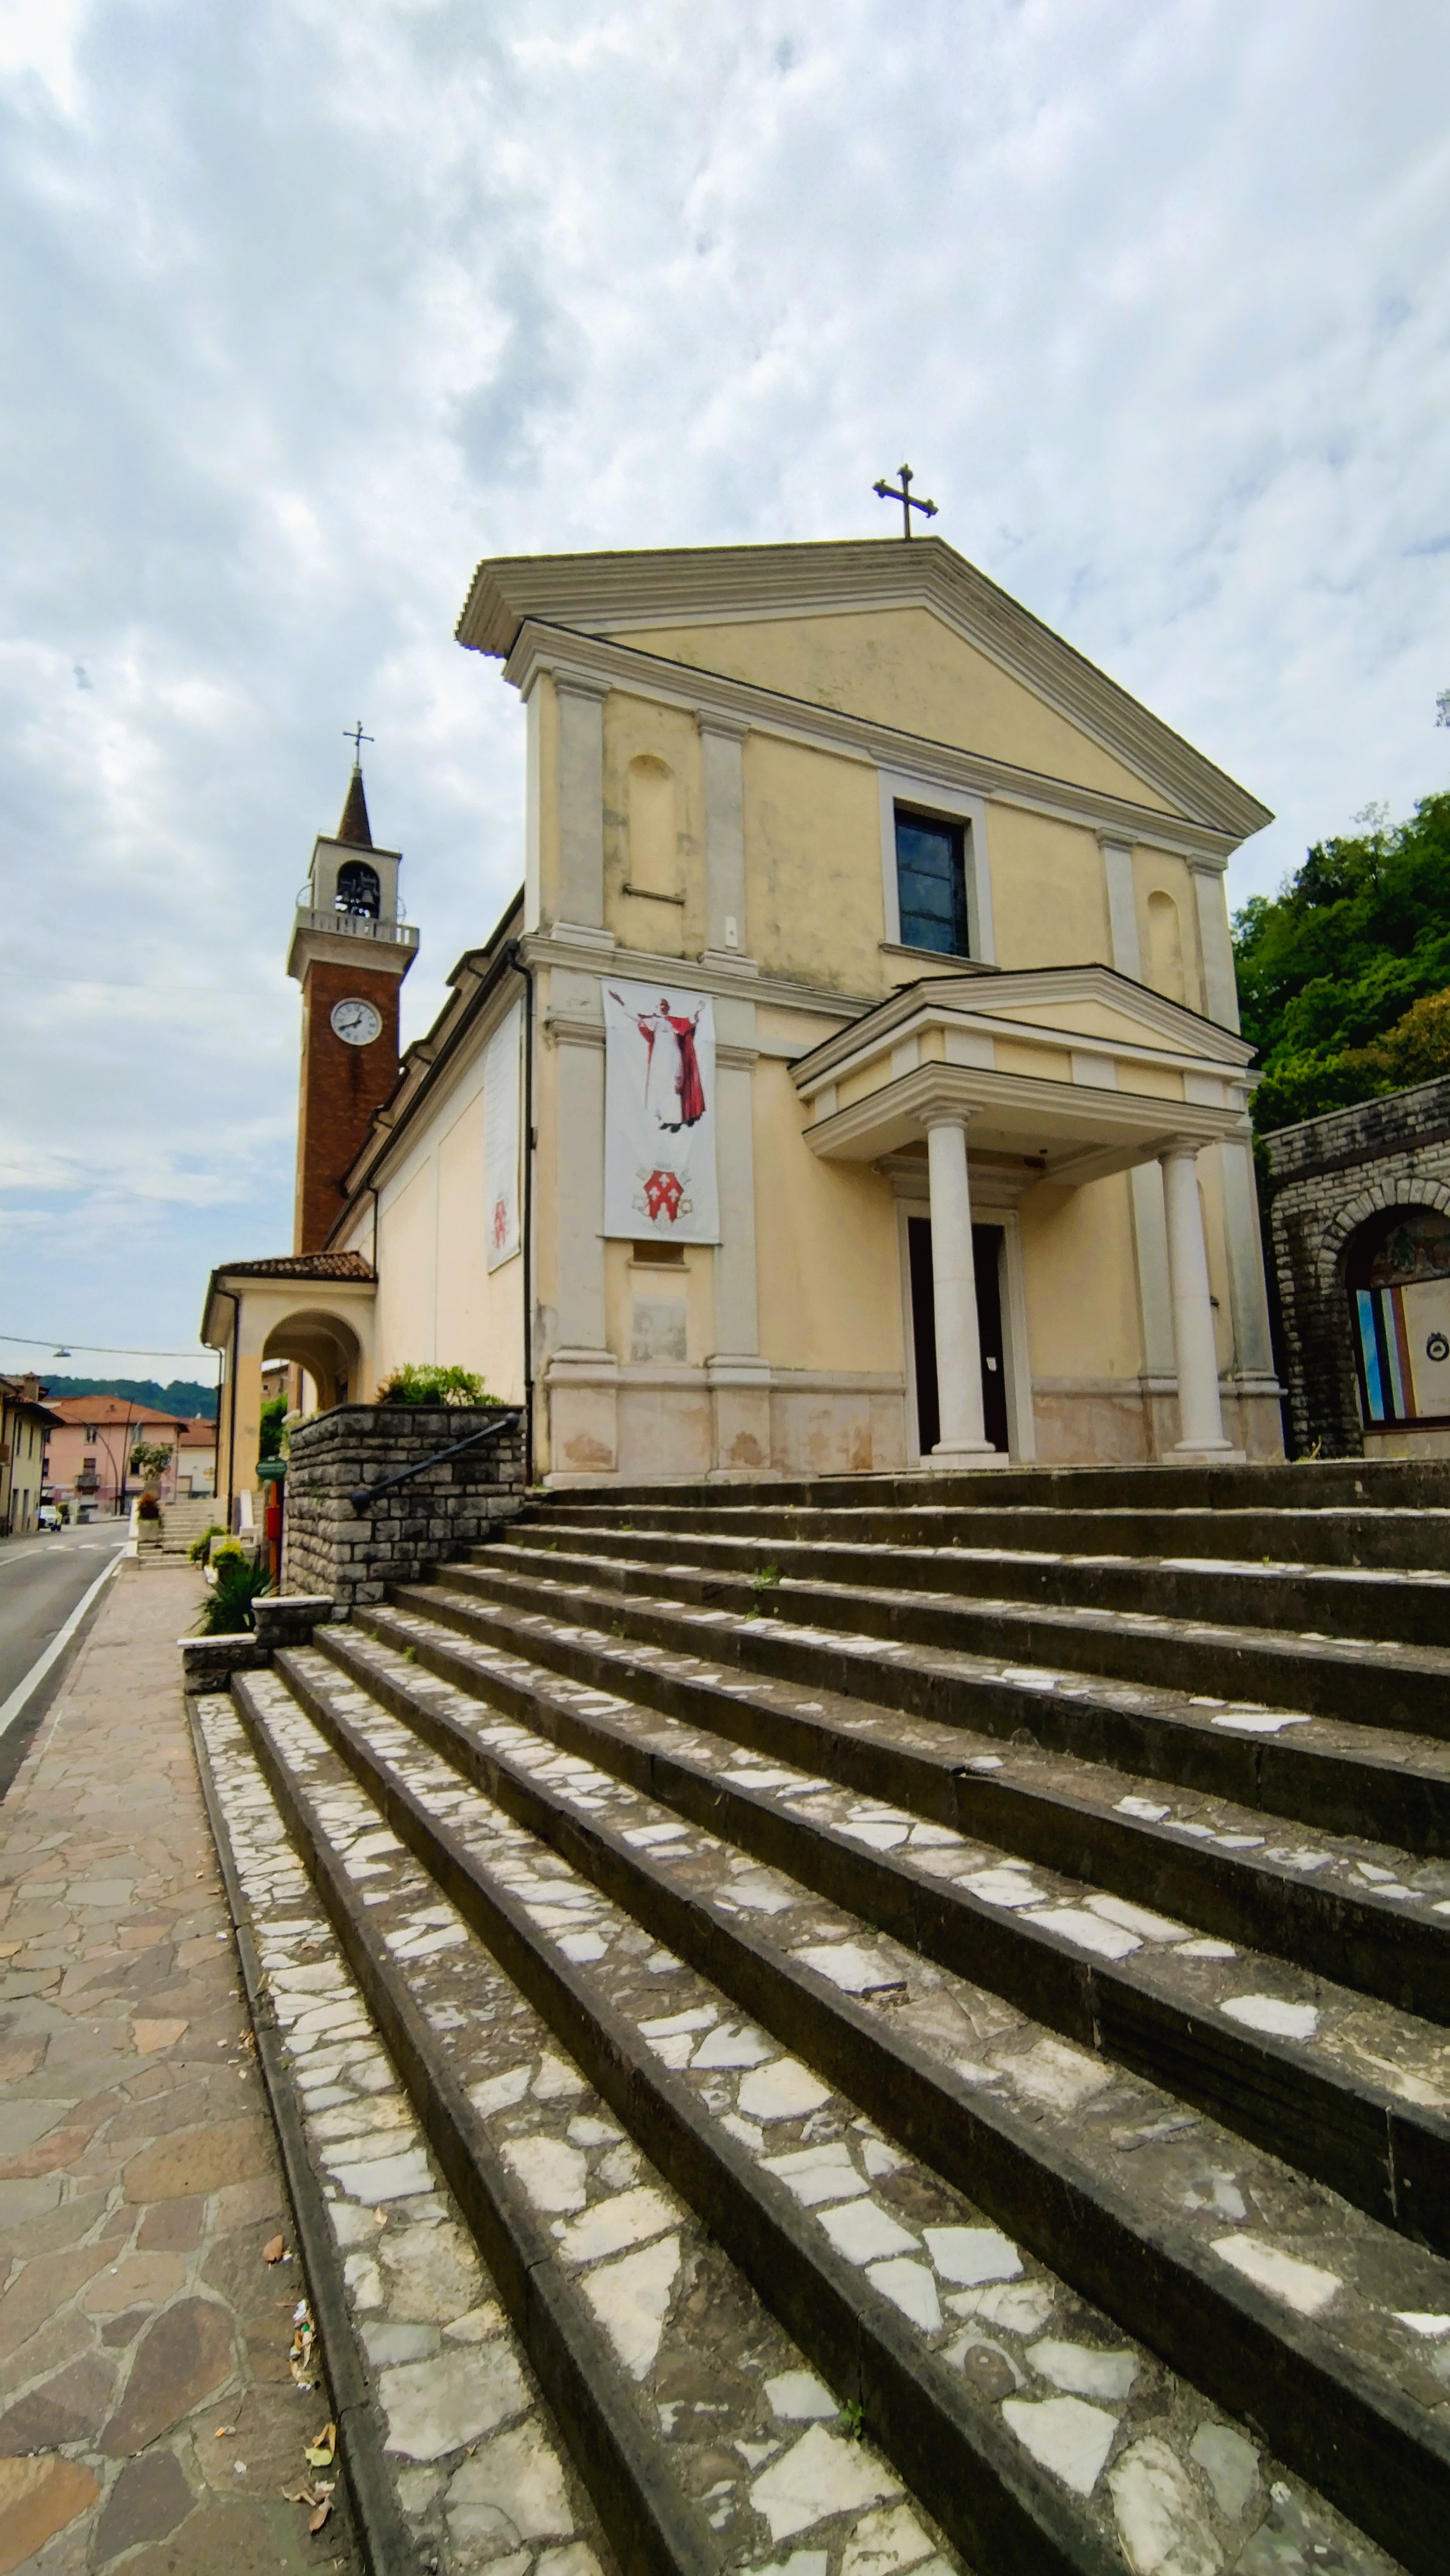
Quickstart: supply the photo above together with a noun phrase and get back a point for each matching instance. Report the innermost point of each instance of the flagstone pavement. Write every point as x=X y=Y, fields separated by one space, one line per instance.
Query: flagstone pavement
x=139 y=2179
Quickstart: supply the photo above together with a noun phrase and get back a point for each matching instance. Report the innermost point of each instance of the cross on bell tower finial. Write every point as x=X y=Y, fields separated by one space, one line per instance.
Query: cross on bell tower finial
x=355 y=735
x=906 y=497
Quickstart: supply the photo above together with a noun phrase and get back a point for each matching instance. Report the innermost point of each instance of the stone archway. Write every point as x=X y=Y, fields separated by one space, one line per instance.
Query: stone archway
x=1346 y=1221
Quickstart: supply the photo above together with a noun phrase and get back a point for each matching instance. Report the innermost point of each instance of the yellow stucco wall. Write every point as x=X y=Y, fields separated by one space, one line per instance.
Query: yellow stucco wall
x=904 y=667
x=814 y=904
x=1082 y=1315
x=405 y=1266
x=826 y=1246
x=1049 y=894
x=437 y=1298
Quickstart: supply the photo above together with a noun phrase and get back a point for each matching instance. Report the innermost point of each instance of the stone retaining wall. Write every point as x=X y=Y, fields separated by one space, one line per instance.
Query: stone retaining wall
x=1326 y=1177
x=329 y=1548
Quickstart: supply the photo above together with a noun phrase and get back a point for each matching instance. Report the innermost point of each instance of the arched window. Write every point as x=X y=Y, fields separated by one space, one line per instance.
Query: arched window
x=1165 y=948
x=1397 y=1272
x=358 y=890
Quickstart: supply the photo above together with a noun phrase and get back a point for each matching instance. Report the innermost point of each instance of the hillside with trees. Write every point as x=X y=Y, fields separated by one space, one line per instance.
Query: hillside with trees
x=1344 y=975
x=183 y=1396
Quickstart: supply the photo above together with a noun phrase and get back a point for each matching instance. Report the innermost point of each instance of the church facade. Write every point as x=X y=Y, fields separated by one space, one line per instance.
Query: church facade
x=855 y=1082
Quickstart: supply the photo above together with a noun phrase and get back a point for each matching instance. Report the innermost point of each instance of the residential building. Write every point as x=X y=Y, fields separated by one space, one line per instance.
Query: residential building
x=25 y=1424
x=90 y=1448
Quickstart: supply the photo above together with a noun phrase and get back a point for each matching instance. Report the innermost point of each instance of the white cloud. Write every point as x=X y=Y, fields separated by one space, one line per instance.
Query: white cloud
x=311 y=308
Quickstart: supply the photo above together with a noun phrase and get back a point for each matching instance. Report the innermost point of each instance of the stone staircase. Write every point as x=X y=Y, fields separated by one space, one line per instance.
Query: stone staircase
x=926 y=2001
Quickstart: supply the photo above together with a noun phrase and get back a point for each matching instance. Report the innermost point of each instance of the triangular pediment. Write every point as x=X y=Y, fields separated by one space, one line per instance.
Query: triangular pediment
x=1093 y=1003
x=907 y=636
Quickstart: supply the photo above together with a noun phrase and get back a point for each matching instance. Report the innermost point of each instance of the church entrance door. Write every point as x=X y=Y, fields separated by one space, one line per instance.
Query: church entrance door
x=987 y=1243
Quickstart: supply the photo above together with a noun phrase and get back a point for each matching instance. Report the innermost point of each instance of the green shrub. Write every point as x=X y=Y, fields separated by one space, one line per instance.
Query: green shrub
x=269 y=1436
x=200 y=1548
x=227 y=1611
x=432 y=1384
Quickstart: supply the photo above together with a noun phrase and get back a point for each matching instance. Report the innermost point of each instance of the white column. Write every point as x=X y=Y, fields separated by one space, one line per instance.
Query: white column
x=1200 y=1423
x=963 y=1440
x=722 y=751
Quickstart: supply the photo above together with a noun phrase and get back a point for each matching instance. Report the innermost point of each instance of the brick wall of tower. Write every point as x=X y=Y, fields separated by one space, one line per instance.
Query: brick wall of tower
x=342 y=1089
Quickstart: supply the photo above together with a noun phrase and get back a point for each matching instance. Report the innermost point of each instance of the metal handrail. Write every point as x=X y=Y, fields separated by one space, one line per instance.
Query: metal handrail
x=363 y=1497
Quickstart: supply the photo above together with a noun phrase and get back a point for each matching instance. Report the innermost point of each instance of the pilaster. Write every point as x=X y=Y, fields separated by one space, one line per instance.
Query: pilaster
x=582 y=1375
x=739 y=1382
x=1221 y=995
x=722 y=751
x=581 y=805
x=1122 y=906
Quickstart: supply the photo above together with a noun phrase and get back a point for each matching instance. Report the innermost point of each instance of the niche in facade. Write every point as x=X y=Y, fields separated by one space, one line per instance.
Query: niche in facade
x=652 y=832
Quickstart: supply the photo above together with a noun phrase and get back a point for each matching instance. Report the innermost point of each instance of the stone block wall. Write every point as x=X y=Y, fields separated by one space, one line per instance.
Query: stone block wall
x=329 y=1548
x=1327 y=1177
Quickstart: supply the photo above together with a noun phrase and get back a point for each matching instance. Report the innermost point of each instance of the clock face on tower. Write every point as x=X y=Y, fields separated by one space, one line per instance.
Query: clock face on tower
x=356 y=1023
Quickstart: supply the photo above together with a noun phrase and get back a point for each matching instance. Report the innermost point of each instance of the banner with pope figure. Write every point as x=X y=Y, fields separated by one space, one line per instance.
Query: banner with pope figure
x=659 y=1114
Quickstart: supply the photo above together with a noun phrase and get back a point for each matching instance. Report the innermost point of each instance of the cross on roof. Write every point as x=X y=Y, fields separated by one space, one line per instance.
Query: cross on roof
x=355 y=735
x=906 y=497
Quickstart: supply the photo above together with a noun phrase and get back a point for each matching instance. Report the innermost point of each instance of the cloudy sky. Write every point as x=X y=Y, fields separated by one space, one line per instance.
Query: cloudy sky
x=306 y=307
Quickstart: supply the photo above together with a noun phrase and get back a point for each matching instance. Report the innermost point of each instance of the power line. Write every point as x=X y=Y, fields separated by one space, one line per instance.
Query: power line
x=101 y=1350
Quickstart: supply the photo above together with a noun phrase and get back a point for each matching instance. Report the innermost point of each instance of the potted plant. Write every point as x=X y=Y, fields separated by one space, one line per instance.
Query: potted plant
x=236 y=1580
x=149 y=1460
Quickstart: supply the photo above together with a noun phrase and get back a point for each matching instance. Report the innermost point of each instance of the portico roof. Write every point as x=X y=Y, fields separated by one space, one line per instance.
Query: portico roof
x=1075 y=1070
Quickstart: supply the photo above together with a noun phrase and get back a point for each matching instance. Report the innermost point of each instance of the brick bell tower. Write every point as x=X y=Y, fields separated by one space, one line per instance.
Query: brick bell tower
x=349 y=953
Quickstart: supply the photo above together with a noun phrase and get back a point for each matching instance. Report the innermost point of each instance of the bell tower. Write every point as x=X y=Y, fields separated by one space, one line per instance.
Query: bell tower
x=349 y=952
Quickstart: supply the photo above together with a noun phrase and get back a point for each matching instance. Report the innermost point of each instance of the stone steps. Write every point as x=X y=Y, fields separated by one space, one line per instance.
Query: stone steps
x=1407 y=1606
x=1325 y=1773
x=1013 y=2029
x=1405 y=1687
x=753 y=2088
x=1311 y=2093
x=627 y=2273
x=1339 y=1536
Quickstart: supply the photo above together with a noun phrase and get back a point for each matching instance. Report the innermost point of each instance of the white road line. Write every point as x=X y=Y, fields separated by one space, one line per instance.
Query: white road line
x=24 y=1690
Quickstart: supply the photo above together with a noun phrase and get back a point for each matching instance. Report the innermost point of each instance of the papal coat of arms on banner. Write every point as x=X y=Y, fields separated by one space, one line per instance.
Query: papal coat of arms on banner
x=659 y=1114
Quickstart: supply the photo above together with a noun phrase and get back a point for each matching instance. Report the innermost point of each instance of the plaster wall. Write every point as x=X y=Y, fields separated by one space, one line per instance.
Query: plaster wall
x=814 y=906
x=1049 y=896
x=826 y=1246
x=437 y=1298
x=904 y=667
x=1082 y=1319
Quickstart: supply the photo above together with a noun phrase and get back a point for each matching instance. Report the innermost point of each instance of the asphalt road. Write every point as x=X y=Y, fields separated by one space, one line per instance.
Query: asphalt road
x=42 y=1581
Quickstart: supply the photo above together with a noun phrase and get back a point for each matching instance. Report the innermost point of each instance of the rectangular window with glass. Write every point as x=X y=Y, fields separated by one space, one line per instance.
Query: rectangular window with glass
x=931 y=882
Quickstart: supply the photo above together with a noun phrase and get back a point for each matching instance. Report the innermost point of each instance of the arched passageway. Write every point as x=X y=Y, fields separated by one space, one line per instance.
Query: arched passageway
x=324 y=1346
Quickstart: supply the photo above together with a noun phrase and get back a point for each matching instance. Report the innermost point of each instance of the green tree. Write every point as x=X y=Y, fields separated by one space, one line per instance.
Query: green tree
x=1344 y=975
